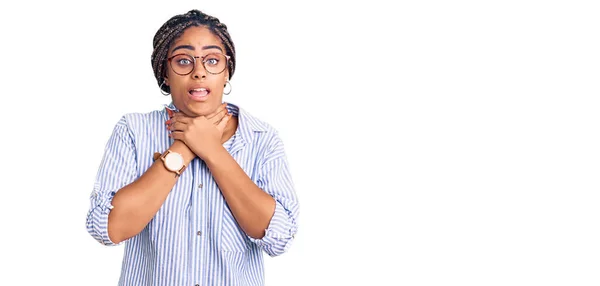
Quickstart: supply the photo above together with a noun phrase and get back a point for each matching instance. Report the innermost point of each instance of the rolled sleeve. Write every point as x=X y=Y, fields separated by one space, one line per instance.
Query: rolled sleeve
x=275 y=179
x=280 y=233
x=117 y=169
x=97 y=221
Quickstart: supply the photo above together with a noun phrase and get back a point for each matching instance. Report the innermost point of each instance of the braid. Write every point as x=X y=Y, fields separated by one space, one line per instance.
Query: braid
x=174 y=27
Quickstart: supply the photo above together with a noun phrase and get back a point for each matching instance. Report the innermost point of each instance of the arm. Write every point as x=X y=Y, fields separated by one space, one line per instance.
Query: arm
x=137 y=203
x=266 y=211
x=122 y=206
x=251 y=207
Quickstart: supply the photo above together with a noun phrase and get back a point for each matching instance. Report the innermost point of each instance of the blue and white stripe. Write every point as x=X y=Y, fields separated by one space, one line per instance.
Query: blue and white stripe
x=194 y=239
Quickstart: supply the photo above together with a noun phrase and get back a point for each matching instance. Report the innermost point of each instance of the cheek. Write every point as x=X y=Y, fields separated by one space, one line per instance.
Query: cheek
x=219 y=84
x=176 y=83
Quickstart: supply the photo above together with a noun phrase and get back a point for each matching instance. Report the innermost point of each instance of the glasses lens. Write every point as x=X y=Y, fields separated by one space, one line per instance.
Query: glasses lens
x=215 y=63
x=182 y=64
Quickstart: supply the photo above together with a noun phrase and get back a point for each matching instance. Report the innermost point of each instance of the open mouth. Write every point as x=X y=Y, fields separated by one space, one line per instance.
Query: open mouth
x=199 y=94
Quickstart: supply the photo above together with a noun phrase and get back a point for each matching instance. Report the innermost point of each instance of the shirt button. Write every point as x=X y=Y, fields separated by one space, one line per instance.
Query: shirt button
x=200 y=186
x=199 y=233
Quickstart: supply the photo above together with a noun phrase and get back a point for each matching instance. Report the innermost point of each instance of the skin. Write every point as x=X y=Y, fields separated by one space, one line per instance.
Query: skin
x=199 y=130
x=196 y=41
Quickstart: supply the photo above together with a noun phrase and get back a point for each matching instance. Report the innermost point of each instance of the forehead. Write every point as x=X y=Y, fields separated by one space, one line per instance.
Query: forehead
x=197 y=37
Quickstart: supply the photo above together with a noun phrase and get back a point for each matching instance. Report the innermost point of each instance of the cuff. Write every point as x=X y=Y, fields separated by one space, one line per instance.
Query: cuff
x=279 y=234
x=98 y=217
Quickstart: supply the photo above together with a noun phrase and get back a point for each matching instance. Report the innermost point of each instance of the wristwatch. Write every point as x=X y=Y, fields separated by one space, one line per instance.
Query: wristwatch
x=173 y=161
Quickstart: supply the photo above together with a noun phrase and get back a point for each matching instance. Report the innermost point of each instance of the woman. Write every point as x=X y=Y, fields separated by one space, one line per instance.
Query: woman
x=198 y=190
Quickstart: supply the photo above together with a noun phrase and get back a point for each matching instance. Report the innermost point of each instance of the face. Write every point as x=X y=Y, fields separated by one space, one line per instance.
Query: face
x=199 y=92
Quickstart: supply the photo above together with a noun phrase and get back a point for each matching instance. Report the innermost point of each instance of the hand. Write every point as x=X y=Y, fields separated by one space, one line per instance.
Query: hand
x=214 y=117
x=201 y=134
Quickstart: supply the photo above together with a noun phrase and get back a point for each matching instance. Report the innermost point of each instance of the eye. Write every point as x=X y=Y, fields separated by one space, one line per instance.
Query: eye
x=212 y=61
x=184 y=62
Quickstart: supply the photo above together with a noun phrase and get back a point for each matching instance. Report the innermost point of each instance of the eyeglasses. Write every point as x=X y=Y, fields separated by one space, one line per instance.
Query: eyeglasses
x=184 y=64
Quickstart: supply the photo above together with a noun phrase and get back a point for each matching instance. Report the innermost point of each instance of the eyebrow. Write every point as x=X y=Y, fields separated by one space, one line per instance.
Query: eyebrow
x=193 y=49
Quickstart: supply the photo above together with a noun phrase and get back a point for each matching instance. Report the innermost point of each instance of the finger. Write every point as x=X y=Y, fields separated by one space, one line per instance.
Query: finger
x=219 y=110
x=170 y=112
x=178 y=126
x=223 y=123
x=178 y=115
x=170 y=121
x=177 y=136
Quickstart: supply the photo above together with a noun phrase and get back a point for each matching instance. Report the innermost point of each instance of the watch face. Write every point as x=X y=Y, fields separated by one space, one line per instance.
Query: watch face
x=174 y=161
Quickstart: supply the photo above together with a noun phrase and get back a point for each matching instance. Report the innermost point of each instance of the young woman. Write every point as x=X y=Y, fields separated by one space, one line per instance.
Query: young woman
x=198 y=190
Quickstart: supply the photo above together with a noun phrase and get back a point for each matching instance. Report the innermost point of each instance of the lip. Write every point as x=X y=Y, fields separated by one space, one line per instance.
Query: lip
x=198 y=98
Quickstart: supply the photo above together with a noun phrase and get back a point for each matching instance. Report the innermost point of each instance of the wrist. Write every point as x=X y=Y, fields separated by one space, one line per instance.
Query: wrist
x=180 y=147
x=216 y=155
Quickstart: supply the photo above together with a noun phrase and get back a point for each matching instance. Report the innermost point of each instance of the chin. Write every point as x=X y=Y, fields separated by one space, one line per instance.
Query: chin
x=201 y=108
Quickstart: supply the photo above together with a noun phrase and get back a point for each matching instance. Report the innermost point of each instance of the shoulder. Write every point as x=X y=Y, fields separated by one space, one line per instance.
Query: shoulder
x=263 y=135
x=134 y=117
x=135 y=122
x=256 y=126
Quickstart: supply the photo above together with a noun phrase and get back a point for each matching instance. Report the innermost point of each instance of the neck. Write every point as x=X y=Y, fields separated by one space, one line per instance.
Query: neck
x=230 y=129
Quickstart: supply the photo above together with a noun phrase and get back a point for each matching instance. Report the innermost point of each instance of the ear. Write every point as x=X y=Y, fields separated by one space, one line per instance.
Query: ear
x=166 y=79
x=226 y=73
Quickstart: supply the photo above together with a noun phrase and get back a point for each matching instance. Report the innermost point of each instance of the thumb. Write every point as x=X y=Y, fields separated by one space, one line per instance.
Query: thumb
x=223 y=123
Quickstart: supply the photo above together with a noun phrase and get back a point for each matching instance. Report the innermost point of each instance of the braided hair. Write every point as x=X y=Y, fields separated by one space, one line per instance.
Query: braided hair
x=174 y=27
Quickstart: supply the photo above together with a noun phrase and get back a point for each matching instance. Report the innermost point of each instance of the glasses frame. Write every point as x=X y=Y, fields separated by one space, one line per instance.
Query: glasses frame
x=201 y=60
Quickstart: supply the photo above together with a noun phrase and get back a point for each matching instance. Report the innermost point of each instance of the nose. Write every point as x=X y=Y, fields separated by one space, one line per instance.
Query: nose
x=199 y=71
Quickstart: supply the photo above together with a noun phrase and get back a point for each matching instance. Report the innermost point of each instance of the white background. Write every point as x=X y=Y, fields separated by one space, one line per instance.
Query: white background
x=432 y=143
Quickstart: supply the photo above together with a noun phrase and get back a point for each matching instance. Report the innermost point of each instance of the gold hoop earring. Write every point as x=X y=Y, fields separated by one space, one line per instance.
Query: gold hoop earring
x=228 y=92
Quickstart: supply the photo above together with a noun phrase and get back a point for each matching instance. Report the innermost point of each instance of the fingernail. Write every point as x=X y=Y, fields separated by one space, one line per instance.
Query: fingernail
x=168 y=122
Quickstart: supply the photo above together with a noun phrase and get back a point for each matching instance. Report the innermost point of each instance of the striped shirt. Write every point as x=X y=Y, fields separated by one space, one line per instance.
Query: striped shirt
x=194 y=239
